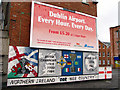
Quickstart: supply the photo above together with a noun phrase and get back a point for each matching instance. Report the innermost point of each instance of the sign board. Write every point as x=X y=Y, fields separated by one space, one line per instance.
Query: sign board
x=54 y=28
x=67 y=38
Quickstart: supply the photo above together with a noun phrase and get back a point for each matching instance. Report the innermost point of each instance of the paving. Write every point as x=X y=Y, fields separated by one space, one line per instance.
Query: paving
x=112 y=84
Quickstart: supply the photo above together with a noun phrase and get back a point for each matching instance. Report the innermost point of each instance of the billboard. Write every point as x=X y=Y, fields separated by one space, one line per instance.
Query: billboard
x=63 y=48
x=55 y=28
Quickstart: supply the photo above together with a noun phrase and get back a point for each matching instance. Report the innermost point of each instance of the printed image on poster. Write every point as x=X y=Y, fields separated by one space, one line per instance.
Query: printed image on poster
x=74 y=63
x=90 y=63
x=23 y=62
x=48 y=63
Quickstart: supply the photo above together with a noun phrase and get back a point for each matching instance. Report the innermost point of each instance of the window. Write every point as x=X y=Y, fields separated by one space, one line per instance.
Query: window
x=99 y=62
x=108 y=62
x=99 y=54
x=99 y=46
x=103 y=54
x=103 y=47
x=103 y=62
x=108 y=54
x=117 y=34
x=0 y=2
x=117 y=44
x=84 y=1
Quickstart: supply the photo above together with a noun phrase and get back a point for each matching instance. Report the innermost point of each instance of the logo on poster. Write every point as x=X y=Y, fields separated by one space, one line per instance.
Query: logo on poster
x=78 y=45
x=88 y=46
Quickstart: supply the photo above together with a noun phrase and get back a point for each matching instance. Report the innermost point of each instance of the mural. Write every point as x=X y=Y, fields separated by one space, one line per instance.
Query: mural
x=90 y=63
x=117 y=64
x=22 y=62
x=105 y=72
x=48 y=63
x=74 y=64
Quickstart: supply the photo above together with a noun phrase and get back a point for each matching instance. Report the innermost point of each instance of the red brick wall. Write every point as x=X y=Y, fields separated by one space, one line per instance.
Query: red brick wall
x=101 y=50
x=113 y=39
x=20 y=16
x=106 y=58
x=19 y=30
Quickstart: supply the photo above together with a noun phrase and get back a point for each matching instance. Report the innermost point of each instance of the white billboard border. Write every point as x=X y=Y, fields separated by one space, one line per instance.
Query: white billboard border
x=60 y=8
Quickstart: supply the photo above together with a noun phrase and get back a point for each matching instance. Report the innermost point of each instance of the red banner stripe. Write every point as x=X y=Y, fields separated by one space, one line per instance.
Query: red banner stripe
x=25 y=75
x=109 y=71
x=16 y=50
x=34 y=73
x=101 y=72
x=105 y=76
x=16 y=57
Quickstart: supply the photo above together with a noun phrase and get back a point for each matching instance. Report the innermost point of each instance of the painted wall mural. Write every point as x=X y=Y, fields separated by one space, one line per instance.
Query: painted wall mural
x=23 y=62
x=28 y=66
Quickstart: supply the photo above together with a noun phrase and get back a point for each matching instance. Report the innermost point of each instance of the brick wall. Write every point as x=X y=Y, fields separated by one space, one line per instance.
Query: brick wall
x=115 y=51
x=104 y=49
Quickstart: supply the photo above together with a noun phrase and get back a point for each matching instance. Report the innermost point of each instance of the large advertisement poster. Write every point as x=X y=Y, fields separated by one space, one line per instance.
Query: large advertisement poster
x=59 y=29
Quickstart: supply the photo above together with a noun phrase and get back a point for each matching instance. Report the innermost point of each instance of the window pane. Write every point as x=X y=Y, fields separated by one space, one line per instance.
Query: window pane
x=103 y=54
x=108 y=54
x=103 y=62
x=108 y=62
x=99 y=46
x=99 y=54
x=99 y=62
x=103 y=46
x=85 y=1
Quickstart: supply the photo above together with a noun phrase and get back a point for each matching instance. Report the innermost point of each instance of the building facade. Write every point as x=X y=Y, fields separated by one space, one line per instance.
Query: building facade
x=115 y=46
x=104 y=54
x=17 y=19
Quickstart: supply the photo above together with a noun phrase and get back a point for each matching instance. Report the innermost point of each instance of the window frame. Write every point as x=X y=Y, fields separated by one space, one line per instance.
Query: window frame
x=103 y=62
x=109 y=62
x=85 y=2
x=100 y=62
x=108 y=55
x=99 y=46
x=99 y=54
x=104 y=54
x=103 y=46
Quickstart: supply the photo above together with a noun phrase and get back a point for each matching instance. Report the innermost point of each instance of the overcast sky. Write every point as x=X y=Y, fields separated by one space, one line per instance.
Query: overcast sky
x=107 y=11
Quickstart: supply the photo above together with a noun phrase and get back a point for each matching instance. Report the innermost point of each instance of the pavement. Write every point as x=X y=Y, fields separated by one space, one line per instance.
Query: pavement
x=112 y=84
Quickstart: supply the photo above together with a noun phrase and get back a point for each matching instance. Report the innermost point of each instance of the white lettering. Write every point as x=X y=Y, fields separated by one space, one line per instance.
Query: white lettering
x=77 y=26
x=88 y=28
x=44 y=20
x=57 y=15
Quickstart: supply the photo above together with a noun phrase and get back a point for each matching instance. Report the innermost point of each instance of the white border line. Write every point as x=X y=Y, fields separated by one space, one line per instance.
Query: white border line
x=48 y=5
x=31 y=29
x=62 y=9
x=85 y=14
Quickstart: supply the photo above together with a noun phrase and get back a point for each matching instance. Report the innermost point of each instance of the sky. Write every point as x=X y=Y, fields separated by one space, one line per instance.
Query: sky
x=107 y=11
